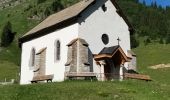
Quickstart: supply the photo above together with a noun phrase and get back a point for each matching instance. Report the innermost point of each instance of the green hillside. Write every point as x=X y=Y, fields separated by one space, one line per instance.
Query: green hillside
x=154 y=54
x=151 y=25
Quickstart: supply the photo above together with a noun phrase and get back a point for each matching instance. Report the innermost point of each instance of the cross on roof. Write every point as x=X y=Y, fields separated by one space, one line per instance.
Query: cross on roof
x=118 y=41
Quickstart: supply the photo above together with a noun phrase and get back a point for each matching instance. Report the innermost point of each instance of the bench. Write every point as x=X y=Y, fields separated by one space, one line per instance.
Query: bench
x=83 y=74
x=137 y=76
x=47 y=78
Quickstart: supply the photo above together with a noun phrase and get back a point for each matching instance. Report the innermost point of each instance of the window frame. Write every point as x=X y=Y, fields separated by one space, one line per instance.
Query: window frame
x=57 y=50
x=32 y=58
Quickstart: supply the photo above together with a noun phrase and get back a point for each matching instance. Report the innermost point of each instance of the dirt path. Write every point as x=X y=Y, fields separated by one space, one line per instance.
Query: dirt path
x=160 y=66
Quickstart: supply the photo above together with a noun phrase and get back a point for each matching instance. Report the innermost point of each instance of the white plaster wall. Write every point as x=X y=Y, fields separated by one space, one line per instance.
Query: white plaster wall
x=57 y=68
x=92 y=26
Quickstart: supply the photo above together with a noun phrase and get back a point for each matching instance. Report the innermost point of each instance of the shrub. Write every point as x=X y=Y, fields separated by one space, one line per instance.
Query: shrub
x=40 y=1
x=27 y=8
x=161 y=41
x=167 y=39
x=147 y=41
x=47 y=12
x=8 y=15
x=57 y=6
x=7 y=35
x=134 y=41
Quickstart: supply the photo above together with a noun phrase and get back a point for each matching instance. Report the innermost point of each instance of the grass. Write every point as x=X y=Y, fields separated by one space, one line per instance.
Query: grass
x=8 y=71
x=9 y=62
x=154 y=54
x=77 y=90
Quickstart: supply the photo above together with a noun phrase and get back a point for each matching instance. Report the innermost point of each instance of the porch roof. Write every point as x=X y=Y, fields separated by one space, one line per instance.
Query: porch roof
x=109 y=52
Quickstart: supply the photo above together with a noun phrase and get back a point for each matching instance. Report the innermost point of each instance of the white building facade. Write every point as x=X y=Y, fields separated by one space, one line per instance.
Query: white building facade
x=99 y=23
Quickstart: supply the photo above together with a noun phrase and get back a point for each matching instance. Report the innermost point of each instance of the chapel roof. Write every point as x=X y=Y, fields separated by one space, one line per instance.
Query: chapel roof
x=65 y=14
x=109 y=52
x=65 y=17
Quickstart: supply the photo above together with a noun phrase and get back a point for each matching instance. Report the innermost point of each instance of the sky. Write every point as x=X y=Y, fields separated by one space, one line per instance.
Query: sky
x=163 y=3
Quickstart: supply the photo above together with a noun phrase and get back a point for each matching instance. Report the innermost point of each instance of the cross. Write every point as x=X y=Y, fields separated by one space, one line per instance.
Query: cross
x=118 y=40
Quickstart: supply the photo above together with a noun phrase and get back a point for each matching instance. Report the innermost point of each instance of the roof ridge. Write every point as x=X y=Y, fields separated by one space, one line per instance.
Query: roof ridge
x=58 y=17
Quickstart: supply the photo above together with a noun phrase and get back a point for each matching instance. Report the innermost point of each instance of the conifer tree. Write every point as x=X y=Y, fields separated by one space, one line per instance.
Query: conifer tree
x=7 y=35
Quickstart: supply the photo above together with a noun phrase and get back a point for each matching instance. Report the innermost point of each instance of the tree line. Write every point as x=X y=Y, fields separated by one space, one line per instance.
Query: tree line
x=150 y=22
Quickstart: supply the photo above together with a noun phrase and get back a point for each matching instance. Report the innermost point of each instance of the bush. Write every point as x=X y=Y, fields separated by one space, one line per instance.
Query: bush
x=57 y=6
x=161 y=41
x=8 y=15
x=147 y=41
x=134 y=41
x=40 y=1
x=28 y=7
x=167 y=39
x=47 y=12
x=7 y=35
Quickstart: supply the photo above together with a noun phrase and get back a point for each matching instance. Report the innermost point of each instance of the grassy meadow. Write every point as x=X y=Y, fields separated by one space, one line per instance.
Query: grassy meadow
x=84 y=90
x=154 y=54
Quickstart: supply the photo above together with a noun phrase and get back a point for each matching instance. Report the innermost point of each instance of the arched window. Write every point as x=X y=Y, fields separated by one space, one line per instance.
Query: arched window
x=32 y=57
x=57 y=50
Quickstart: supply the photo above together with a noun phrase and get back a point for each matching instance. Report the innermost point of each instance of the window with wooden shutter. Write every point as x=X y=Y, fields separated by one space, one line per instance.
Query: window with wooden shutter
x=57 y=50
x=32 y=58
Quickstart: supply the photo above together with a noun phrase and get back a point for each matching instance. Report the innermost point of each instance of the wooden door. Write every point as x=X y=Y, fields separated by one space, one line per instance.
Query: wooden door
x=107 y=70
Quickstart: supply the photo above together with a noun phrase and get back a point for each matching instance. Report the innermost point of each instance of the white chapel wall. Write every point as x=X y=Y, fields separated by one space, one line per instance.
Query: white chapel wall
x=92 y=26
x=57 y=68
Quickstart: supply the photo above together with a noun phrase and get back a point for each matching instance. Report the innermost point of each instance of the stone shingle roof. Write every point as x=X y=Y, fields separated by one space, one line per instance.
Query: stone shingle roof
x=63 y=15
x=109 y=50
x=64 y=18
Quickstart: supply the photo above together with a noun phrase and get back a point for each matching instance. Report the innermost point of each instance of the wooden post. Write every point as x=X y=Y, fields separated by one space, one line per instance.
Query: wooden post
x=121 y=70
x=121 y=73
x=102 y=76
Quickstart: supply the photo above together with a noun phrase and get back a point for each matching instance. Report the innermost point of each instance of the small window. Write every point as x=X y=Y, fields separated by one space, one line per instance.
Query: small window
x=104 y=8
x=105 y=39
x=32 y=57
x=57 y=50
